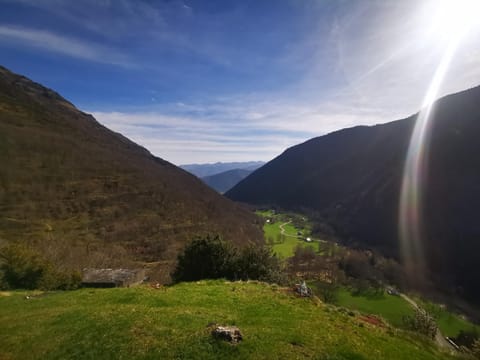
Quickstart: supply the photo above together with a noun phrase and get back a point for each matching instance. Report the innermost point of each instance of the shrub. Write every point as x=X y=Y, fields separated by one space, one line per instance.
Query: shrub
x=328 y=292
x=476 y=348
x=205 y=258
x=3 y=283
x=357 y=265
x=213 y=258
x=421 y=322
x=467 y=338
x=258 y=263
x=22 y=267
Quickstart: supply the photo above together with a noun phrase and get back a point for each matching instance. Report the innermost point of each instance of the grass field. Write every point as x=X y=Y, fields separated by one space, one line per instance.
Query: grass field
x=144 y=323
x=284 y=246
x=391 y=308
x=287 y=247
x=450 y=324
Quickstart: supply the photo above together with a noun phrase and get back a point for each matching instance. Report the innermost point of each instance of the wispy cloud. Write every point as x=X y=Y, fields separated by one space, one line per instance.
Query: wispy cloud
x=234 y=82
x=72 y=47
x=228 y=132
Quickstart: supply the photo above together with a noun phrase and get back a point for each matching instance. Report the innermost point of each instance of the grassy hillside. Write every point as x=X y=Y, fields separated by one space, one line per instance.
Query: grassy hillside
x=87 y=196
x=145 y=323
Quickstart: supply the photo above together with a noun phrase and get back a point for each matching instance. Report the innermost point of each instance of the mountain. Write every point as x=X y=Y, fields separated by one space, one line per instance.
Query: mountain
x=203 y=170
x=86 y=195
x=226 y=180
x=351 y=180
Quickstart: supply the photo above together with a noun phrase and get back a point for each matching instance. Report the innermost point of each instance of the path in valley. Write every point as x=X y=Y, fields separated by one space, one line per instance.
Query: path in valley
x=439 y=338
x=282 y=230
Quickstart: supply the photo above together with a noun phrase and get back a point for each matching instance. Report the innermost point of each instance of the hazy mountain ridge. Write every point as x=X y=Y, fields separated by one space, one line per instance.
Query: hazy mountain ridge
x=203 y=170
x=224 y=181
x=351 y=179
x=87 y=195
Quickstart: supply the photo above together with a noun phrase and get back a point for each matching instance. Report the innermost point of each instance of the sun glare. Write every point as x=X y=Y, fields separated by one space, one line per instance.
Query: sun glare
x=451 y=21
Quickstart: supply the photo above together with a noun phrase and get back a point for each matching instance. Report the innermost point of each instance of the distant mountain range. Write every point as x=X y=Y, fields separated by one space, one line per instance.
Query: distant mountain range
x=203 y=170
x=87 y=196
x=226 y=180
x=350 y=180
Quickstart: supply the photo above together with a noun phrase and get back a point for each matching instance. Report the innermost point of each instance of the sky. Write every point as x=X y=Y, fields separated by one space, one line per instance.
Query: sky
x=205 y=81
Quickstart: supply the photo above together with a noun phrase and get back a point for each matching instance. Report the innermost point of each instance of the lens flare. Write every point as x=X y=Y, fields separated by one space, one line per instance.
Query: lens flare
x=411 y=231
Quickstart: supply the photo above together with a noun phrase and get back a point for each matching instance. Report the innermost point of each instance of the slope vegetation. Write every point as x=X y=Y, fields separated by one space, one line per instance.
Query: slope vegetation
x=90 y=197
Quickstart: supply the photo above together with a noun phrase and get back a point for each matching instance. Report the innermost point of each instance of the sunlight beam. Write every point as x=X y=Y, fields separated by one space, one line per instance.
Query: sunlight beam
x=456 y=19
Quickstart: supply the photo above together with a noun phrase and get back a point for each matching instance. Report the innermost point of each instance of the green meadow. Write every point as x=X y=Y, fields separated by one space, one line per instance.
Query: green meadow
x=450 y=324
x=173 y=323
x=391 y=308
x=284 y=244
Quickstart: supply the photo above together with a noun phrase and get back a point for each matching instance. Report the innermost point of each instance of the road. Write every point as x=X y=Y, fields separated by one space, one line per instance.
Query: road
x=282 y=230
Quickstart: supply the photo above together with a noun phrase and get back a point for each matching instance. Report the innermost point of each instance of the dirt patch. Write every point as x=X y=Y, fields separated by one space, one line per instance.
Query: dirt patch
x=5 y=293
x=373 y=320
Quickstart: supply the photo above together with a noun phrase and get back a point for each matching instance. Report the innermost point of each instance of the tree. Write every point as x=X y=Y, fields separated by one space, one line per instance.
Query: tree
x=305 y=259
x=356 y=265
x=421 y=322
x=257 y=263
x=328 y=292
x=205 y=258
x=213 y=258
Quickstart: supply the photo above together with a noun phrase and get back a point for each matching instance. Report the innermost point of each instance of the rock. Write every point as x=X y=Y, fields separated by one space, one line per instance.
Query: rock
x=231 y=334
x=303 y=290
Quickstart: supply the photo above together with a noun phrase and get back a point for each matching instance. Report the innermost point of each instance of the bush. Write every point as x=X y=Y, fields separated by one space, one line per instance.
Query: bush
x=467 y=338
x=476 y=348
x=422 y=323
x=205 y=258
x=357 y=265
x=22 y=267
x=3 y=283
x=258 y=263
x=327 y=292
x=213 y=258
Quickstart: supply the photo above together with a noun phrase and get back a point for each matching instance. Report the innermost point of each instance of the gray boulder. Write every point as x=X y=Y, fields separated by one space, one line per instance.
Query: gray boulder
x=231 y=334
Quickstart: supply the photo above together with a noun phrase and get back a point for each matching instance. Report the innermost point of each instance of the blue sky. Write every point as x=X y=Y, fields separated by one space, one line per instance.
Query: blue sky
x=204 y=81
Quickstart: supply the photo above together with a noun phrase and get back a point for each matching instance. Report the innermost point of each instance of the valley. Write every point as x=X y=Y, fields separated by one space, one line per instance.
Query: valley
x=195 y=179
